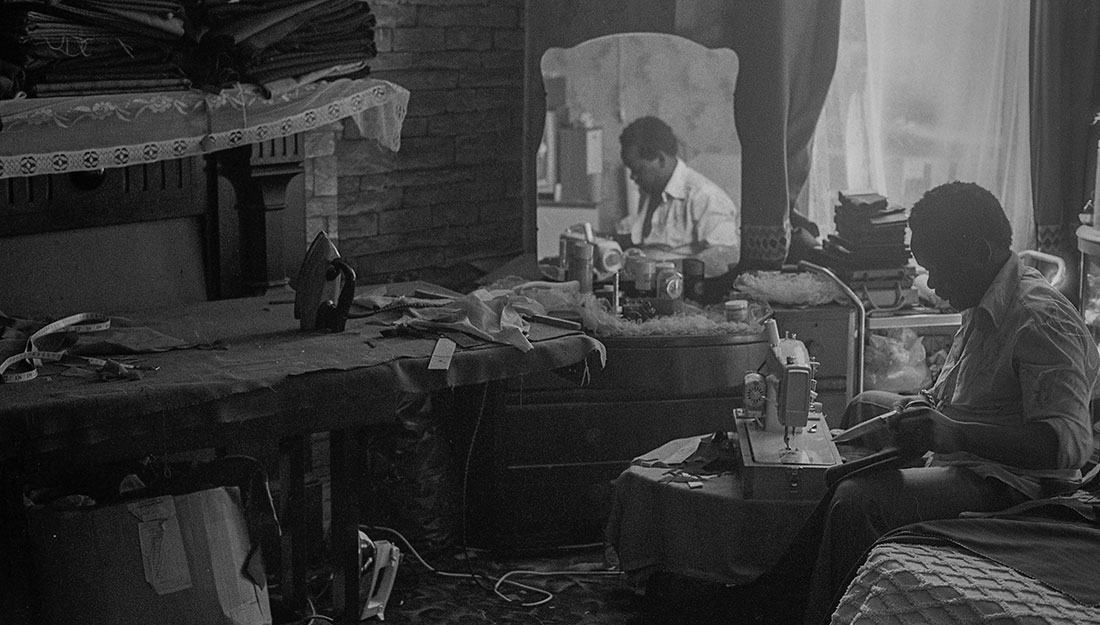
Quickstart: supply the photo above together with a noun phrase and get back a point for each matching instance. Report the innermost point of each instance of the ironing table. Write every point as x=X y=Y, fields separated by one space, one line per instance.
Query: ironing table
x=249 y=379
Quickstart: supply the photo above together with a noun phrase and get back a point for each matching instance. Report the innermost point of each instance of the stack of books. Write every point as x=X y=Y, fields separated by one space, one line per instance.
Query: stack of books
x=869 y=250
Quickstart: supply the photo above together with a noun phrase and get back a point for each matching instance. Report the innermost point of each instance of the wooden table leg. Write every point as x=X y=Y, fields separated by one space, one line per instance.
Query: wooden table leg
x=15 y=588
x=344 y=460
x=294 y=554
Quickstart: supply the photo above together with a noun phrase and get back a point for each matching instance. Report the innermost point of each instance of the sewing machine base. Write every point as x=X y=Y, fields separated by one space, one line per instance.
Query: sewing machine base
x=770 y=471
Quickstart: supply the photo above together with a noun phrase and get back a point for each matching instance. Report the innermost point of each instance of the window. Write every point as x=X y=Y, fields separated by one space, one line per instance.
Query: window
x=925 y=93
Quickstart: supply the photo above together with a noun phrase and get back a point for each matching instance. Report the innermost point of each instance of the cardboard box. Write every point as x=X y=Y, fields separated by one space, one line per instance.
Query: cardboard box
x=164 y=560
x=580 y=163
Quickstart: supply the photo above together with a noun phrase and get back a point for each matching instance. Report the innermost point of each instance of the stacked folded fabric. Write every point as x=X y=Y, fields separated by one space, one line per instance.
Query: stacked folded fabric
x=282 y=43
x=66 y=47
x=81 y=46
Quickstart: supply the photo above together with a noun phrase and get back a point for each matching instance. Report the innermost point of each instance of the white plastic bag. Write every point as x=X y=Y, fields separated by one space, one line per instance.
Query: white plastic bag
x=896 y=362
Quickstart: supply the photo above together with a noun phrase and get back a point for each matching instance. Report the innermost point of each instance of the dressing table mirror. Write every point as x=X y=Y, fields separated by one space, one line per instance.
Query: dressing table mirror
x=597 y=87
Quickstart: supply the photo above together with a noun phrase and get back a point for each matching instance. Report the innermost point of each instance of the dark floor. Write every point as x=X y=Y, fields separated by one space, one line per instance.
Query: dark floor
x=571 y=586
x=578 y=586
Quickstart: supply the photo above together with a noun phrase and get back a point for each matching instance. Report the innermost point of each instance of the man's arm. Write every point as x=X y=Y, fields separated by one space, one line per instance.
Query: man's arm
x=1055 y=364
x=1032 y=445
x=717 y=229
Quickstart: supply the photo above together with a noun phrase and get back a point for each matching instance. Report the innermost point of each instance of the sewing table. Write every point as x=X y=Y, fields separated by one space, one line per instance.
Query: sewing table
x=706 y=530
x=250 y=379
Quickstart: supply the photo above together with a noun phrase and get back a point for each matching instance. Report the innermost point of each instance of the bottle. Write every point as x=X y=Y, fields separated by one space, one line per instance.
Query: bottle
x=645 y=277
x=579 y=266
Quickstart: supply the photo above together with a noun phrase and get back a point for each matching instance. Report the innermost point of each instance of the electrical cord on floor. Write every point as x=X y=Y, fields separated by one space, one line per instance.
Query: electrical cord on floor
x=498 y=582
x=313 y=616
x=465 y=483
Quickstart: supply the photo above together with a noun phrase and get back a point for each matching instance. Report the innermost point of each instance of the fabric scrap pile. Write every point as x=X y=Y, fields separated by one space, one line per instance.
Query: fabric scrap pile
x=78 y=47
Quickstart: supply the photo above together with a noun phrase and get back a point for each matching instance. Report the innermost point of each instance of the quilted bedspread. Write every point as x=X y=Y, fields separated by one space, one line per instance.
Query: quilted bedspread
x=906 y=583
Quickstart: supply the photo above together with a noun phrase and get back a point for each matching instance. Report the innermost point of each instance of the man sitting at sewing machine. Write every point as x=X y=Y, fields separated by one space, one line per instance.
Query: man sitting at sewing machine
x=680 y=211
x=1007 y=420
x=1008 y=417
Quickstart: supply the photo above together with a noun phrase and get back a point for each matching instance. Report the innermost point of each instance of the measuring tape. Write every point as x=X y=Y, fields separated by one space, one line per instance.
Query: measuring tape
x=81 y=323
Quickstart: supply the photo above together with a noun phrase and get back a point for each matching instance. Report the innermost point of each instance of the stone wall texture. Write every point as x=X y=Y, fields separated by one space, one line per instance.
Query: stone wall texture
x=449 y=203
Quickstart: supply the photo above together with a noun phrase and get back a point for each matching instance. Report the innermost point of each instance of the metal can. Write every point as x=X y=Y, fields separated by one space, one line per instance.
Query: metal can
x=645 y=277
x=670 y=282
x=580 y=264
x=737 y=310
x=693 y=270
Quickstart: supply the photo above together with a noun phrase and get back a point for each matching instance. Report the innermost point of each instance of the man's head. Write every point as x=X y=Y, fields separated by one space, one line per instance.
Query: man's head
x=961 y=235
x=648 y=149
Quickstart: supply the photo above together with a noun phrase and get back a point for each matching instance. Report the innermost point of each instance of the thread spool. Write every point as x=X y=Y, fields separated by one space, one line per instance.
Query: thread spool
x=772 y=329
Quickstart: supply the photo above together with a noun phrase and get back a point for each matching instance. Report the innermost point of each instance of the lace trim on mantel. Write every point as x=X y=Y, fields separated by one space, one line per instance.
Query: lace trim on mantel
x=59 y=135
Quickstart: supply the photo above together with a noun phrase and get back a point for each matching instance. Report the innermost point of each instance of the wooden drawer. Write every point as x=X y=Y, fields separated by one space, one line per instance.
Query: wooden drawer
x=559 y=440
x=540 y=507
x=673 y=366
x=570 y=433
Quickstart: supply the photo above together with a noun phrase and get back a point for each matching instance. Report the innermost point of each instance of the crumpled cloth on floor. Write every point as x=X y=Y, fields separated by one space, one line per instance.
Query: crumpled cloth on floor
x=490 y=315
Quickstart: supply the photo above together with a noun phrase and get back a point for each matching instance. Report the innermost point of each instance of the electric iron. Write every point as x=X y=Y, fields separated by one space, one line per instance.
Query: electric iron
x=316 y=286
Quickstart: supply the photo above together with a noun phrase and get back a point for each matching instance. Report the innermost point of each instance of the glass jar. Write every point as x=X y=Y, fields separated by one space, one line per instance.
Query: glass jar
x=737 y=310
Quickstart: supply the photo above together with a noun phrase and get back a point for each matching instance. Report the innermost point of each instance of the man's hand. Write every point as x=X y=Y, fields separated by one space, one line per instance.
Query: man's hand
x=913 y=402
x=919 y=428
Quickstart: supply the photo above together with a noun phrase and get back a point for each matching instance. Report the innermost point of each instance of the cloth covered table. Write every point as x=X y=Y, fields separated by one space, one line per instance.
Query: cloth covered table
x=254 y=363
x=247 y=372
x=708 y=532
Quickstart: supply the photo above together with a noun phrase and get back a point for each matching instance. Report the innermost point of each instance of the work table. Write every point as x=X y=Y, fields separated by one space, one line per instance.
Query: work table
x=254 y=378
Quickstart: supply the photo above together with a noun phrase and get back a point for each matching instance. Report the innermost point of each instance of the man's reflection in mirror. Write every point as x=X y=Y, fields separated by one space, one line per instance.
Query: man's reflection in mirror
x=680 y=213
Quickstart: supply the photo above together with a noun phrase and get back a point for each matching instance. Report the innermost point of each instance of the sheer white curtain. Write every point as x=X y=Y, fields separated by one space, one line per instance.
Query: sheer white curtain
x=926 y=92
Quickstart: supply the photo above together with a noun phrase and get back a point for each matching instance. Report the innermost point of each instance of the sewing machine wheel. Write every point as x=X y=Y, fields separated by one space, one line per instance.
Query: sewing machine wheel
x=755 y=392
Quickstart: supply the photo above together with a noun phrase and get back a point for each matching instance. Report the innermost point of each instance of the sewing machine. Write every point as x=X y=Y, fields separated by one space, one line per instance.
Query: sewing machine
x=784 y=440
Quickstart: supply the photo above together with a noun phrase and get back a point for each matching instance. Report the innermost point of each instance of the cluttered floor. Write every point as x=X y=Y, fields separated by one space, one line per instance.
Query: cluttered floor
x=574 y=585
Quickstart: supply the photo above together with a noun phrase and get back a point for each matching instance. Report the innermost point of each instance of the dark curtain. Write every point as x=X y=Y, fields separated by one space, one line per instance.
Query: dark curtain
x=787 y=50
x=787 y=53
x=1065 y=97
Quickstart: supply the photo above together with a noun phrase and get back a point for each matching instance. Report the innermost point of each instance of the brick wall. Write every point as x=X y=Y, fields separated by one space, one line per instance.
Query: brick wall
x=449 y=203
